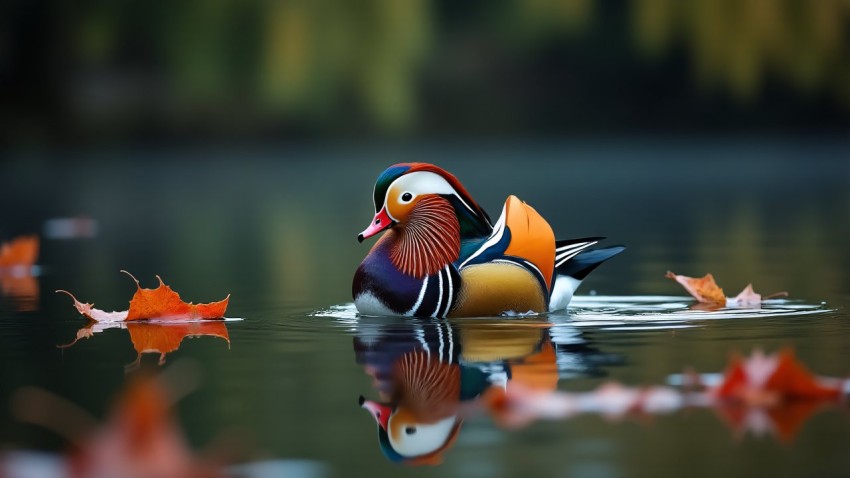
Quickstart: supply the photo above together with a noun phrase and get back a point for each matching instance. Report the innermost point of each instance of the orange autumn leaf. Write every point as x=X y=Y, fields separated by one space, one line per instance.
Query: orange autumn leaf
x=17 y=279
x=20 y=251
x=160 y=303
x=704 y=289
x=163 y=302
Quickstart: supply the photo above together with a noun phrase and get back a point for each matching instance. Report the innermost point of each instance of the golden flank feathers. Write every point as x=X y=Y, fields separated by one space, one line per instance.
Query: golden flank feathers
x=493 y=288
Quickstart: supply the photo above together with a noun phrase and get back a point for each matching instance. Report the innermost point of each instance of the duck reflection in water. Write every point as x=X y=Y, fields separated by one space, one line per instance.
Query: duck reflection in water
x=429 y=374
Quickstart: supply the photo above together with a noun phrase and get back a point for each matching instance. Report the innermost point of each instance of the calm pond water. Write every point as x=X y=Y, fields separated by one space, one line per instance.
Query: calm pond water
x=276 y=229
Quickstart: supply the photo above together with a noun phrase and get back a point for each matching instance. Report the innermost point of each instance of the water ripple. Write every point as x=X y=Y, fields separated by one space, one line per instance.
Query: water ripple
x=630 y=312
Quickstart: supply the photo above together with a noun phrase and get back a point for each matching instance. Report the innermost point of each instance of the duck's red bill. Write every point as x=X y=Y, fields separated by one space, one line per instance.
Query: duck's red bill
x=380 y=222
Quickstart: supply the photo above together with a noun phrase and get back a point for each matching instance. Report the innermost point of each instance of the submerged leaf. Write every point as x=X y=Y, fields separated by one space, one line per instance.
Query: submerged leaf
x=160 y=303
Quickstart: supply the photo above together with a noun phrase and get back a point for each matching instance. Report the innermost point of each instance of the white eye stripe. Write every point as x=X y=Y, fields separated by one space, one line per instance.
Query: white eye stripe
x=424 y=182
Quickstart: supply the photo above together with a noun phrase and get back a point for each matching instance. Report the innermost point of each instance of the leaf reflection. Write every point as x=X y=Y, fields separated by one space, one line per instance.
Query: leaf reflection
x=761 y=394
x=152 y=337
x=166 y=338
x=139 y=437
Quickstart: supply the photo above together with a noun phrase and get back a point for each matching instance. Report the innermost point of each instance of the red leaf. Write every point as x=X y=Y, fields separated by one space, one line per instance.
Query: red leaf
x=160 y=303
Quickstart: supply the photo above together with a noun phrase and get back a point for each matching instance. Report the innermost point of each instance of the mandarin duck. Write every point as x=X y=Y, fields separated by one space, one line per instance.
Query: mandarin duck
x=429 y=374
x=440 y=255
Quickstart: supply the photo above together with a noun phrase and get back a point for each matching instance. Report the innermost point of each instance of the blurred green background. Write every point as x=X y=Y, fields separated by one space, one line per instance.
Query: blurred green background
x=99 y=72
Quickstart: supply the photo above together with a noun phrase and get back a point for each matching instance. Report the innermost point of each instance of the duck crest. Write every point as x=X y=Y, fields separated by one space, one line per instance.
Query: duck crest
x=473 y=219
x=429 y=240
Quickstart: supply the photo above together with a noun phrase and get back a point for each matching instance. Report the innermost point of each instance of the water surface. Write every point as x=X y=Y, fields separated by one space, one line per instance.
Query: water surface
x=276 y=229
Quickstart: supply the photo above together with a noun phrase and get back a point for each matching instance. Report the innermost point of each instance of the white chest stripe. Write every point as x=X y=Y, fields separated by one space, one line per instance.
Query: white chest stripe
x=424 y=288
x=439 y=294
x=451 y=289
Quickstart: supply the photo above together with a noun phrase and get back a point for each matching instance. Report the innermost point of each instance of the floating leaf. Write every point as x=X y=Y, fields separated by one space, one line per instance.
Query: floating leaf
x=704 y=289
x=707 y=292
x=161 y=303
x=748 y=297
x=16 y=272
x=20 y=251
x=96 y=315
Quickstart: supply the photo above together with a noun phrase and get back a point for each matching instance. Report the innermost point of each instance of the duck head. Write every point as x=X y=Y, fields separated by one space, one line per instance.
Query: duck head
x=412 y=193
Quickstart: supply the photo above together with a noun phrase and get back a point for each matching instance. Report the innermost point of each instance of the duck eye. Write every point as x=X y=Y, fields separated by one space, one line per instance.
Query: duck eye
x=410 y=430
x=406 y=197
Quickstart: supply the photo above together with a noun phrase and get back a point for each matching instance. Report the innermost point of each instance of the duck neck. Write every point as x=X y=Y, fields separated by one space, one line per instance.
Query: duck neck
x=428 y=240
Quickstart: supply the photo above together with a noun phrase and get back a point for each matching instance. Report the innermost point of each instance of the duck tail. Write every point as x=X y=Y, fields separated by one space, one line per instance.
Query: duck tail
x=584 y=262
x=571 y=271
